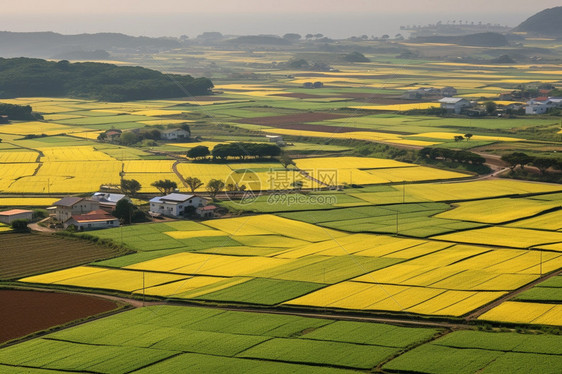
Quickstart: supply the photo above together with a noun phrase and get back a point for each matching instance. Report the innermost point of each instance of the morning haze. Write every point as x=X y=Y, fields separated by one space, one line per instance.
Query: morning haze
x=332 y=18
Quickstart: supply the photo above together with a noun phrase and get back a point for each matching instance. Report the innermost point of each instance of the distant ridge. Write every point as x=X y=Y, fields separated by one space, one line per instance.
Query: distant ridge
x=547 y=22
x=50 y=44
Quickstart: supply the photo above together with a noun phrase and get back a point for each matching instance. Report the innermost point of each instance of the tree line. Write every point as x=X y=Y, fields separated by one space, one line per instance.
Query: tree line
x=24 y=77
x=540 y=162
x=19 y=112
x=239 y=150
x=461 y=156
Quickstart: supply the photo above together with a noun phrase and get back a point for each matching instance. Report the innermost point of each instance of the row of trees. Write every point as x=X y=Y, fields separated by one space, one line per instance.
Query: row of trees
x=461 y=156
x=238 y=149
x=540 y=162
x=131 y=186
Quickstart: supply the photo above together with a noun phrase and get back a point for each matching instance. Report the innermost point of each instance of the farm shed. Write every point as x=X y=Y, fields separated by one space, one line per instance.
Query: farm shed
x=9 y=216
x=206 y=211
x=454 y=104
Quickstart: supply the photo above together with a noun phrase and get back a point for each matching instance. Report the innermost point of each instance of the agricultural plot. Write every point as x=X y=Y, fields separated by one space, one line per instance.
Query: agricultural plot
x=27 y=312
x=406 y=219
x=547 y=291
x=22 y=254
x=519 y=312
x=499 y=210
x=504 y=237
x=483 y=352
x=175 y=338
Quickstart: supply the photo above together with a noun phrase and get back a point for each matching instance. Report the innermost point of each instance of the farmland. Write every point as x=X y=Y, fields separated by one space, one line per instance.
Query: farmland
x=355 y=254
x=23 y=254
x=26 y=312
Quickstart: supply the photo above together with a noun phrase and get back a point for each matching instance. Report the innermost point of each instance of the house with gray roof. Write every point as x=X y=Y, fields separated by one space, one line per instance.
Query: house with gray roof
x=454 y=104
x=71 y=205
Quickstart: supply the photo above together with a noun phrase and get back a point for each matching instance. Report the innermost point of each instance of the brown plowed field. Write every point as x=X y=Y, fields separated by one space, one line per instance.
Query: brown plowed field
x=291 y=119
x=25 y=312
x=27 y=254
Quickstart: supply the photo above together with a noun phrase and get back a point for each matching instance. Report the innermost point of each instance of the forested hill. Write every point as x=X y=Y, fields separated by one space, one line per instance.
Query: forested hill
x=547 y=22
x=21 y=77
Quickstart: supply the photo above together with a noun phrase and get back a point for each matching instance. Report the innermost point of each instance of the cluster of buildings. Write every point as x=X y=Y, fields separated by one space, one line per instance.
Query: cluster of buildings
x=541 y=105
x=95 y=212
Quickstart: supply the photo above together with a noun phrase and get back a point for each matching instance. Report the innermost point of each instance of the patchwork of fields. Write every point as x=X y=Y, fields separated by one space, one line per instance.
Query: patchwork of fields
x=340 y=232
x=170 y=339
x=340 y=258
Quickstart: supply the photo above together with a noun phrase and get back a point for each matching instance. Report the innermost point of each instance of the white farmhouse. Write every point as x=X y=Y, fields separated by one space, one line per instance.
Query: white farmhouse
x=454 y=104
x=541 y=105
x=174 y=134
x=174 y=204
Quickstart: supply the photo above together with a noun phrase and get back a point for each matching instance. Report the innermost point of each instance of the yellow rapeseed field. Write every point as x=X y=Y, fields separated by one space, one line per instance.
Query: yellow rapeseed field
x=523 y=312
x=504 y=236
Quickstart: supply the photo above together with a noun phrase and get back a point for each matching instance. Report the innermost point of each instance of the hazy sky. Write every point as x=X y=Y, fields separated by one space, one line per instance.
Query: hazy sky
x=333 y=18
x=274 y=6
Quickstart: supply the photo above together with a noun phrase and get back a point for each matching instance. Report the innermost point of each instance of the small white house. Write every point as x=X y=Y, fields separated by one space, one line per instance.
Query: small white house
x=174 y=134
x=454 y=104
x=174 y=204
x=274 y=138
x=9 y=216
x=95 y=220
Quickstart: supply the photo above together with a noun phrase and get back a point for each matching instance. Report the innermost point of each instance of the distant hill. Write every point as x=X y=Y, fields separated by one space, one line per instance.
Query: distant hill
x=24 y=77
x=547 y=22
x=483 y=39
x=50 y=44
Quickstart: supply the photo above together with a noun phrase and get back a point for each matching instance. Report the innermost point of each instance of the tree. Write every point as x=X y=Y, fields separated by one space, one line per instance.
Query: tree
x=285 y=160
x=128 y=138
x=185 y=127
x=20 y=225
x=468 y=136
x=523 y=159
x=490 y=107
x=517 y=158
x=292 y=37
x=543 y=163
x=199 y=151
x=511 y=160
x=165 y=186
x=214 y=187
x=130 y=186
x=193 y=182
x=124 y=210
